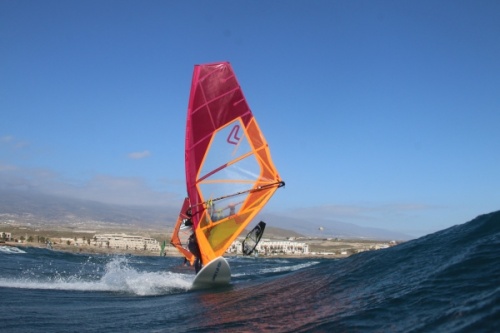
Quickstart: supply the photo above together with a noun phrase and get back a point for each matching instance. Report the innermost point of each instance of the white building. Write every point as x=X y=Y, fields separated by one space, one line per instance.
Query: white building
x=269 y=247
x=5 y=236
x=126 y=242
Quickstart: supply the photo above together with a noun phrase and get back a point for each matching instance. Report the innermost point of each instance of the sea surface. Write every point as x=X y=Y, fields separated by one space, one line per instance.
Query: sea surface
x=448 y=281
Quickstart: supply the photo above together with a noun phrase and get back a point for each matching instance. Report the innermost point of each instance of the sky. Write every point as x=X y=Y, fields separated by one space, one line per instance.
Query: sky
x=379 y=113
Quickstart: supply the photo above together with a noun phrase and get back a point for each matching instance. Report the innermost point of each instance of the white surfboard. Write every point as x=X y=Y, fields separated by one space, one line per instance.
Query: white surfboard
x=214 y=274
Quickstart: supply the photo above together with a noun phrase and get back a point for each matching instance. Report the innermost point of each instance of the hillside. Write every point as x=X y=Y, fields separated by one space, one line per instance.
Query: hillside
x=42 y=211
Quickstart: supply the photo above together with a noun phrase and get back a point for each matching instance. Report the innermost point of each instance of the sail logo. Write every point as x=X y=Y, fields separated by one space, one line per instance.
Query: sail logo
x=233 y=137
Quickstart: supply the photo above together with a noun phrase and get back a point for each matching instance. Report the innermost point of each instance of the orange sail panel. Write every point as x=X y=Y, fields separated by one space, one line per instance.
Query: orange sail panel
x=230 y=175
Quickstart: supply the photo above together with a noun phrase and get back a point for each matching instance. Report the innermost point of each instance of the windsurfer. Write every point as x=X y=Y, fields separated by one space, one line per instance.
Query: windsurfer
x=187 y=223
x=232 y=209
x=195 y=250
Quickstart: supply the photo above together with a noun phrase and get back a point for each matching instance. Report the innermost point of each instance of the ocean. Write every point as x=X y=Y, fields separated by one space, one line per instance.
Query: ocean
x=448 y=281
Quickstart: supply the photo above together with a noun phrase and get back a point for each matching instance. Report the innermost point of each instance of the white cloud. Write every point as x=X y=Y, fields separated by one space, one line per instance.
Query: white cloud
x=101 y=188
x=6 y=139
x=139 y=155
x=362 y=211
x=403 y=217
x=7 y=167
x=117 y=190
x=12 y=142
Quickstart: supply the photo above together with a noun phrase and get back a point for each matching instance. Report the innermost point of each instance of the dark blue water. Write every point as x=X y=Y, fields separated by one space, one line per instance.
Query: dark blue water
x=448 y=281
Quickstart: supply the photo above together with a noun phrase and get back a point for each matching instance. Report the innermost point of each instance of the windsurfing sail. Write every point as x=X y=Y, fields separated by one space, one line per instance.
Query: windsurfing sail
x=230 y=175
x=162 y=248
x=253 y=238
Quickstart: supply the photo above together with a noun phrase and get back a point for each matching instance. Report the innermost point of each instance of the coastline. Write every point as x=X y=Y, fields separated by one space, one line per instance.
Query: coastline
x=170 y=251
x=327 y=248
x=86 y=249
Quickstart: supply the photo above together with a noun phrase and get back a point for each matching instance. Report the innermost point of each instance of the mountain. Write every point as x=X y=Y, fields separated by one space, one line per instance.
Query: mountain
x=36 y=208
x=332 y=229
x=39 y=208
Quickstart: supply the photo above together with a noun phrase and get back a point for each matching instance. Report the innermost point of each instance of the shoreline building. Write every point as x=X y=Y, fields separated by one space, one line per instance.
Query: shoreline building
x=126 y=242
x=7 y=236
x=269 y=247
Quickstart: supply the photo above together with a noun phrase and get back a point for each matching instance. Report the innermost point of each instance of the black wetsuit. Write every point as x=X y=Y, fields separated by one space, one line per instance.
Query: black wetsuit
x=195 y=250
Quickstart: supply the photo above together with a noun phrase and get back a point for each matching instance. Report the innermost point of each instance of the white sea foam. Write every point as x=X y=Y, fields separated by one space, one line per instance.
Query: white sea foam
x=290 y=268
x=118 y=277
x=10 y=250
x=280 y=269
x=121 y=277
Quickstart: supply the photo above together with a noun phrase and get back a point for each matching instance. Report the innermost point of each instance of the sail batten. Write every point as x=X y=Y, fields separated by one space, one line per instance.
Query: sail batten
x=230 y=175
